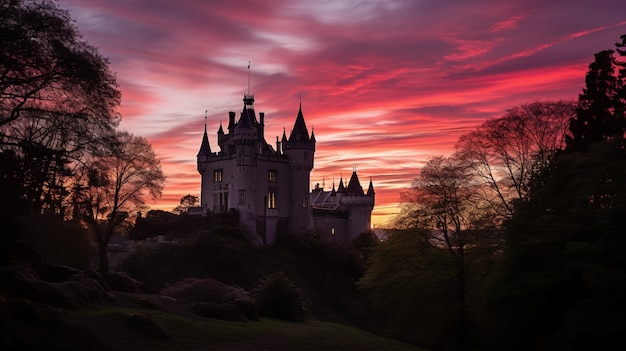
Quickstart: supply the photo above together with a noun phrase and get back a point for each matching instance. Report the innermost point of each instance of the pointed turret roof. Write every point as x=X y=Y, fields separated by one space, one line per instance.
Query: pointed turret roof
x=370 y=189
x=244 y=120
x=299 y=132
x=220 y=131
x=205 y=148
x=354 y=186
x=341 y=188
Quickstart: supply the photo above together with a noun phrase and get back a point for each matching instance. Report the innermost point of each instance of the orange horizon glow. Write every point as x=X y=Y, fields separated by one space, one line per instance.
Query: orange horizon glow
x=385 y=85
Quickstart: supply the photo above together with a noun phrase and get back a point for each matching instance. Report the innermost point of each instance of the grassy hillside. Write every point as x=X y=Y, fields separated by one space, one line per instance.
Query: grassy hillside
x=126 y=326
x=189 y=333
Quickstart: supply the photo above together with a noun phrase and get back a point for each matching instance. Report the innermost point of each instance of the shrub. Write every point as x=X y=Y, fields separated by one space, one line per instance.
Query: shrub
x=279 y=297
x=58 y=242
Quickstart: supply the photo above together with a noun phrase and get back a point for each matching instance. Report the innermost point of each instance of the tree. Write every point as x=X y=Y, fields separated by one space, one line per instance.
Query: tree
x=600 y=113
x=446 y=213
x=504 y=153
x=118 y=183
x=564 y=256
x=412 y=289
x=186 y=202
x=58 y=98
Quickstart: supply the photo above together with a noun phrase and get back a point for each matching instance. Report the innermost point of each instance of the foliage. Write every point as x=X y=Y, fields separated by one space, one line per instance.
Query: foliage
x=279 y=297
x=564 y=257
x=186 y=202
x=412 y=288
x=601 y=112
x=58 y=242
x=57 y=99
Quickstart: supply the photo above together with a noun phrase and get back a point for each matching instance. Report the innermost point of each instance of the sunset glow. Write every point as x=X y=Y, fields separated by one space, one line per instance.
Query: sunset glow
x=385 y=85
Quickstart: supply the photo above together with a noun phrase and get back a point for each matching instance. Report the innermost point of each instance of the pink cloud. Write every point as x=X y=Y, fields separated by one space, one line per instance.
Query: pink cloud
x=384 y=84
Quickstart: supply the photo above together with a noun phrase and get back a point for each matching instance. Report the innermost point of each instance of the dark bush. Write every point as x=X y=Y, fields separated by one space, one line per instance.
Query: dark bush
x=279 y=297
x=57 y=242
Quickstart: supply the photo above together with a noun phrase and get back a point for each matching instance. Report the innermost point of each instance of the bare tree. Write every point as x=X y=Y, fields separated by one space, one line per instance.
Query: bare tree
x=504 y=153
x=118 y=183
x=443 y=203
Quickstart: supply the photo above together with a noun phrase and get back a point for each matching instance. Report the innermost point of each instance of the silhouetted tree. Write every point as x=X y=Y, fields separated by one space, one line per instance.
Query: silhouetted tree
x=563 y=273
x=186 y=202
x=504 y=153
x=116 y=184
x=412 y=289
x=57 y=98
x=600 y=112
x=444 y=208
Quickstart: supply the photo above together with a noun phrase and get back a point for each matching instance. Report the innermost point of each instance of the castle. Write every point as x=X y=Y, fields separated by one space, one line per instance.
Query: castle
x=269 y=188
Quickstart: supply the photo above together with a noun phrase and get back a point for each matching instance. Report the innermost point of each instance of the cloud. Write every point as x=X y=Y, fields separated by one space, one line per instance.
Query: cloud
x=384 y=84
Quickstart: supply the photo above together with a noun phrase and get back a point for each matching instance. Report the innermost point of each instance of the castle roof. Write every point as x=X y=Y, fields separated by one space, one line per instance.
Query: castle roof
x=299 y=132
x=354 y=186
x=341 y=187
x=370 y=189
x=244 y=120
x=205 y=148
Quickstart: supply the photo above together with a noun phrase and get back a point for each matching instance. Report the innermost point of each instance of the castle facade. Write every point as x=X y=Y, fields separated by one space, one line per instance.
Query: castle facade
x=268 y=187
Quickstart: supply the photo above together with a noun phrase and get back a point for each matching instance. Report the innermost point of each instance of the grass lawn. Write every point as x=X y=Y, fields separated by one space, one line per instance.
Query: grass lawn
x=189 y=333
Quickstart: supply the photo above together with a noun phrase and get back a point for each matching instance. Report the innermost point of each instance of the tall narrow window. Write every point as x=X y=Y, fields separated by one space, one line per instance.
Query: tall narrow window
x=273 y=176
x=217 y=175
x=305 y=202
x=242 y=196
x=271 y=199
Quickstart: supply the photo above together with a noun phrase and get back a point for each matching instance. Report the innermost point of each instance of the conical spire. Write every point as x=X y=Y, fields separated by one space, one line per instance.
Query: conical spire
x=205 y=148
x=341 y=188
x=244 y=120
x=354 y=186
x=284 y=138
x=299 y=132
x=370 y=189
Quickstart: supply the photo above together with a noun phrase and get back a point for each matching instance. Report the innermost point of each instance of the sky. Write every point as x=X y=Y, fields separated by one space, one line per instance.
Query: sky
x=384 y=84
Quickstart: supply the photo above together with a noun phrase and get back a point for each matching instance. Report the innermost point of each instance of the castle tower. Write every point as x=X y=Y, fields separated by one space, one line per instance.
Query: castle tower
x=246 y=173
x=300 y=148
x=269 y=189
x=203 y=154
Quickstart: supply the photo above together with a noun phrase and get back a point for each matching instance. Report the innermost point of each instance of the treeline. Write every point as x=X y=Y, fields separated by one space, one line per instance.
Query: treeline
x=515 y=241
x=61 y=152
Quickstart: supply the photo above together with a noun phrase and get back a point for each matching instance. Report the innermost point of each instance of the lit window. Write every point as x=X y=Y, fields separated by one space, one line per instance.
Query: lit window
x=217 y=175
x=273 y=176
x=271 y=199
x=242 y=196
x=305 y=202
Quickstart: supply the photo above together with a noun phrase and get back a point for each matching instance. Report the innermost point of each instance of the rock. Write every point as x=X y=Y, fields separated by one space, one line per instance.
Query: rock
x=211 y=298
x=78 y=291
x=120 y=281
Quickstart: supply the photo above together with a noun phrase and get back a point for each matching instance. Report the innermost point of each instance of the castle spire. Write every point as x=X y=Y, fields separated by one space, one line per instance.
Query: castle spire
x=205 y=148
x=370 y=189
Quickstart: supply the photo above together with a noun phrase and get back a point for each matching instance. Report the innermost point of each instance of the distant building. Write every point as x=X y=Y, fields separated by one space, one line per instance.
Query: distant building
x=269 y=187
